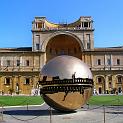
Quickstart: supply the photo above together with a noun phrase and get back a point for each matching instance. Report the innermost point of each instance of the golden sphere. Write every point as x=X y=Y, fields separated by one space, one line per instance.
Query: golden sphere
x=67 y=83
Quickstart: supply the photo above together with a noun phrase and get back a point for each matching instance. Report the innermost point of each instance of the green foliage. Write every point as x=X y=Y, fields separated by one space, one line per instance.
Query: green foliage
x=20 y=100
x=106 y=100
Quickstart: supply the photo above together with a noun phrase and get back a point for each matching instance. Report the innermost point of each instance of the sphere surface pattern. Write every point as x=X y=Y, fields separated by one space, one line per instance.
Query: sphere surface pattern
x=65 y=66
x=67 y=83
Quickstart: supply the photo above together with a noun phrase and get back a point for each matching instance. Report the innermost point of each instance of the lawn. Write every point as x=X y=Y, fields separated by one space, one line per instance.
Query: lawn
x=106 y=100
x=20 y=100
x=37 y=100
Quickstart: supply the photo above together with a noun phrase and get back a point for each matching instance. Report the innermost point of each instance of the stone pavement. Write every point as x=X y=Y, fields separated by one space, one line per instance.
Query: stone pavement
x=43 y=114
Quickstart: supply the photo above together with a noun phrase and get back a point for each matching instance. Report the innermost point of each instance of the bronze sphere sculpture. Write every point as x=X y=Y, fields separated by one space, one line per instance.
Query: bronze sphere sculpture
x=67 y=83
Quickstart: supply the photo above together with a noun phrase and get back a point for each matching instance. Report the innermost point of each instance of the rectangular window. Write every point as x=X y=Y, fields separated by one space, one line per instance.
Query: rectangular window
x=99 y=62
x=39 y=25
x=88 y=45
x=88 y=40
x=27 y=62
x=88 y=37
x=8 y=62
x=27 y=81
x=37 y=42
x=37 y=38
x=85 y=24
x=7 y=81
x=118 y=61
x=37 y=46
x=108 y=61
x=18 y=62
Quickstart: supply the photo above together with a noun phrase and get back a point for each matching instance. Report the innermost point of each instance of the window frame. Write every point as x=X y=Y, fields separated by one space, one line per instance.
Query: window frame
x=98 y=61
x=99 y=79
x=118 y=61
x=7 y=81
x=109 y=61
x=18 y=63
x=27 y=81
x=37 y=46
x=27 y=63
x=119 y=79
x=8 y=63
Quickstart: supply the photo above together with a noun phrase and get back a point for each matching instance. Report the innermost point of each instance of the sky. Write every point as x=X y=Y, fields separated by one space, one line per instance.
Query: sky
x=16 y=18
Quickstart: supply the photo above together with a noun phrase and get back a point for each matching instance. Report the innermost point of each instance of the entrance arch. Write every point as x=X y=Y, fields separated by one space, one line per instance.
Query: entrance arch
x=63 y=44
x=100 y=79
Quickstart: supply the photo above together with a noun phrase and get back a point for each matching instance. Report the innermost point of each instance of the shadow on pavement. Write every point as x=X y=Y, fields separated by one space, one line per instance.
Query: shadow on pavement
x=115 y=112
x=34 y=112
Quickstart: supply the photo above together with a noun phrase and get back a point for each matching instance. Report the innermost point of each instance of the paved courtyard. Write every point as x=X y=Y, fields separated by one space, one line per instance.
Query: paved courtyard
x=43 y=114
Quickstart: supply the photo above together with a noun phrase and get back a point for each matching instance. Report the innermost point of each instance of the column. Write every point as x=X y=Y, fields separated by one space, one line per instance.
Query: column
x=36 y=24
x=13 y=82
x=44 y=25
x=20 y=84
x=95 y=82
x=92 y=64
x=88 y=24
x=81 y=25
x=106 y=83
x=111 y=61
x=44 y=62
x=105 y=61
x=1 y=86
x=114 y=81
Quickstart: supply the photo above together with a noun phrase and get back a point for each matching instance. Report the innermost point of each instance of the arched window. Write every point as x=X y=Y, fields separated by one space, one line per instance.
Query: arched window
x=99 y=62
x=99 y=79
x=119 y=79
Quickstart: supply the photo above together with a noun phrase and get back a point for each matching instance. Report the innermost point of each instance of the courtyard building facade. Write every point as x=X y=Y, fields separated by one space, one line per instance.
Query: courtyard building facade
x=20 y=67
